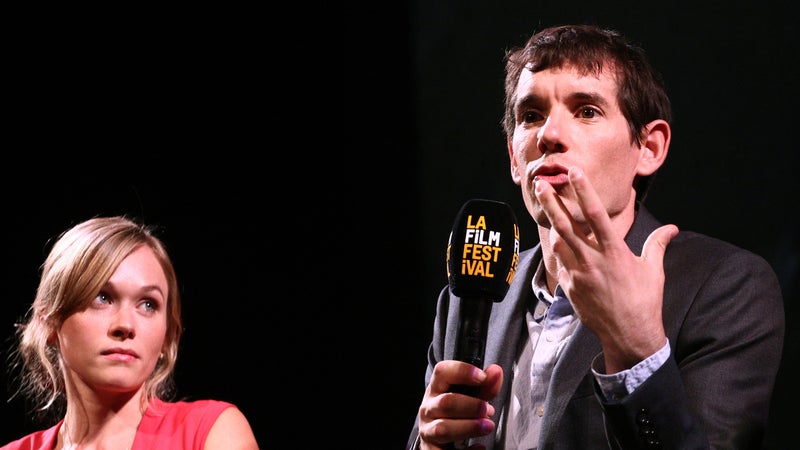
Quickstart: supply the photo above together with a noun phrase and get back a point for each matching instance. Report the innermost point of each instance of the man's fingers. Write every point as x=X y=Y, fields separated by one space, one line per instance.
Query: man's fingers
x=656 y=243
x=594 y=211
x=451 y=372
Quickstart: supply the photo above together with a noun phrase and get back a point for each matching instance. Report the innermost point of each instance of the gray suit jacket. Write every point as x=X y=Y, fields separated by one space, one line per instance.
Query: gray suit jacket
x=723 y=315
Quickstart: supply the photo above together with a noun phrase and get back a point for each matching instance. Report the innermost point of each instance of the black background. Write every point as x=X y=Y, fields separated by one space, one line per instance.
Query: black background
x=306 y=168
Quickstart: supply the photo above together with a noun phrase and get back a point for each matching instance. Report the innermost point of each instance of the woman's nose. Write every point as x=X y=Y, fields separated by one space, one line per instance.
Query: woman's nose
x=122 y=326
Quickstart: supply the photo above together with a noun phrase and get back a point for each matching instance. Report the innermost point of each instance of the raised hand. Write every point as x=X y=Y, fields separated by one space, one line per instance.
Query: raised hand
x=617 y=294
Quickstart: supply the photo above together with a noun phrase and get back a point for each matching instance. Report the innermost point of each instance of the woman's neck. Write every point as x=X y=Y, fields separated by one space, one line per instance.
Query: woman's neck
x=96 y=423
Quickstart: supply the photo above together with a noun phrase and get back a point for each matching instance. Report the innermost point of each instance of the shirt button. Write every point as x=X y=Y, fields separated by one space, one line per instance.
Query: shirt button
x=550 y=337
x=540 y=411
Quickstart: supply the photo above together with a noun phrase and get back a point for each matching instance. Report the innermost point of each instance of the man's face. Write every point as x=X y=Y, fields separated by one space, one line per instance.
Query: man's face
x=566 y=119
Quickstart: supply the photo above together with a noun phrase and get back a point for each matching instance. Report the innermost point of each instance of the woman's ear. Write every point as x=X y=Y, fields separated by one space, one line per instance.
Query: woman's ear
x=52 y=336
x=655 y=147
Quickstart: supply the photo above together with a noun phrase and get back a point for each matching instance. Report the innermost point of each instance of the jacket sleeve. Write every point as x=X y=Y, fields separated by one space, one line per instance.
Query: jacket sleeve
x=654 y=416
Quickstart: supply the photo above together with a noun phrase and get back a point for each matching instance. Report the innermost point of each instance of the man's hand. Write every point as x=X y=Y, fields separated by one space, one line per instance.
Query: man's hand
x=446 y=417
x=616 y=294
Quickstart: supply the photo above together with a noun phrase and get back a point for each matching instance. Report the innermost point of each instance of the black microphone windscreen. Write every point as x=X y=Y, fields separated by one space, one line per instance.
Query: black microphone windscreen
x=483 y=250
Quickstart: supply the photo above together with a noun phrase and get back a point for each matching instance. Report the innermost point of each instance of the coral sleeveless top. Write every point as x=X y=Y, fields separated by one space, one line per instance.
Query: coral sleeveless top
x=164 y=426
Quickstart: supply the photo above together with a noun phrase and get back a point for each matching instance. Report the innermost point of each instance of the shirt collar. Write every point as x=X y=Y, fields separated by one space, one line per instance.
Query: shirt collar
x=562 y=307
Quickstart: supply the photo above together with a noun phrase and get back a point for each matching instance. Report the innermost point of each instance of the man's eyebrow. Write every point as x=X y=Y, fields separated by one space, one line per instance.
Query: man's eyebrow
x=533 y=100
x=589 y=97
x=529 y=100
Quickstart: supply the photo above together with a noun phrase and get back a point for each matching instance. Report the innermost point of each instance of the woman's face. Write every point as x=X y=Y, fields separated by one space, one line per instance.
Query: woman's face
x=114 y=344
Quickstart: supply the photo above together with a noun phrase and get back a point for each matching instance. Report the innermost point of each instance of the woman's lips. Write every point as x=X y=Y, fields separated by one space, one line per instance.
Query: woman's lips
x=124 y=357
x=120 y=354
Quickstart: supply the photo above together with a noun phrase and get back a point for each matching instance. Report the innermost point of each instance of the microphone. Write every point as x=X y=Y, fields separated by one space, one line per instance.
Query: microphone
x=482 y=256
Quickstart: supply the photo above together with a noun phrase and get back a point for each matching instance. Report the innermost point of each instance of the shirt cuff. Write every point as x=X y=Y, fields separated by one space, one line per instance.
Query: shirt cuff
x=620 y=384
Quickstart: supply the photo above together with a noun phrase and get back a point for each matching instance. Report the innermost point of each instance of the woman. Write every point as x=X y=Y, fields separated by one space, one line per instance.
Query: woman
x=99 y=345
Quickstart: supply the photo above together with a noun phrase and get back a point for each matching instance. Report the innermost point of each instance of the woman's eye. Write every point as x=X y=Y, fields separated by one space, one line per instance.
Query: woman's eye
x=102 y=298
x=150 y=305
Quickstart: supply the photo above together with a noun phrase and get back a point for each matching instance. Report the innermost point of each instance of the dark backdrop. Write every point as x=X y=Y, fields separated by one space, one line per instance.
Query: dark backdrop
x=306 y=178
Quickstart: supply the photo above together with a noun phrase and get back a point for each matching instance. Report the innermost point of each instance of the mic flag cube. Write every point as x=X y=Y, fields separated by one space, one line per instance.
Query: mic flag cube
x=483 y=250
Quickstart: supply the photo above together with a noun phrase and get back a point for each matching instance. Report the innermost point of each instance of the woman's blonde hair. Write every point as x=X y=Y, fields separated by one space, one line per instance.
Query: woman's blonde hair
x=79 y=264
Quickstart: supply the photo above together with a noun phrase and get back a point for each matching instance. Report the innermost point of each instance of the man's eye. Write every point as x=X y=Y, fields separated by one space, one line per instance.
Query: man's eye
x=531 y=117
x=588 y=113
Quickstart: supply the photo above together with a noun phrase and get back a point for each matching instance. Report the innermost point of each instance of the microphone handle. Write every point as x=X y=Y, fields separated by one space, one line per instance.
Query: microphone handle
x=471 y=337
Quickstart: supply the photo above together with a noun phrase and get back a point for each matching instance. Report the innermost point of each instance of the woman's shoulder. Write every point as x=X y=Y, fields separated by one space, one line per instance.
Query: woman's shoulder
x=187 y=408
x=38 y=440
x=179 y=424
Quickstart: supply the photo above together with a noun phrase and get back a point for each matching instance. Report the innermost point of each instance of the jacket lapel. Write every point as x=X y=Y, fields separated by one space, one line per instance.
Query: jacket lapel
x=572 y=366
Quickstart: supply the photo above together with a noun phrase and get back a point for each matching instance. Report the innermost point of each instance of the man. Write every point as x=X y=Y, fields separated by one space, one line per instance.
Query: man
x=617 y=331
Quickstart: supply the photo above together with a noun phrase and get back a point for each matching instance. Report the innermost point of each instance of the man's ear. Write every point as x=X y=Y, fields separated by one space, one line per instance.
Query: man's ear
x=515 y=175
x=655 y=147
